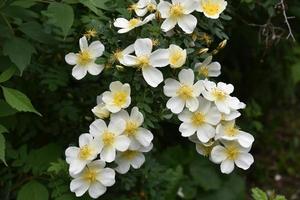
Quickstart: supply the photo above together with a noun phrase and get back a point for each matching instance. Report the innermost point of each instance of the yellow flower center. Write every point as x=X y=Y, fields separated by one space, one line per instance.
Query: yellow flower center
x=198 y=119
x=90 y=175
x=84 y=57
x=151 y=7
x=143 y=62
x=232 y=152
x=210 y=8
x=176 y=10
x=231 y=131
x=176 y=57
x=119 y=98
x=108 y=138
x=185 y=92
x=203 y=71
x=131 y=128
x=134 y=22
x=219 y=94
x=128 y=155
x=85 y=152
x=118 y=55
x=90 y=33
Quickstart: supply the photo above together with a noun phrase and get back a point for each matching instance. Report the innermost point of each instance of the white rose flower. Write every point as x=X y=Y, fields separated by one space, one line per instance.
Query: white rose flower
x=208 y=68
x=177 y=56
x=231 y=116
x=127 y=25
x=148 y=61
x=201 y=121
x=120 y=54
x=212 y=8
x=220 y=94
x=118 y=97
x=84 y=61
x=183 y=93
x=94 y=179
x=179 y=12
x=142 y=7
x=232 y=153
x=109 y=138
x=203 y=149
x=138 y=135
x=228 y=131
x=134 y=158
x=79 y=157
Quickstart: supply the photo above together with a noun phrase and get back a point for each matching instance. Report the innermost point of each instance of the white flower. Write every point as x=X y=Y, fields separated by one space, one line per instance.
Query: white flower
x=94 y=179
x=138 y=135
x=142 y=7
x=148 y=61
x=232 y=153
x=220 y=94
x=202 y=121
x=179 y=12
x=231 y=116
x=79 y=157
x=100 y=110
x=127 y=25
x=120 y=54
x=84 y=61
x=134 y=158
x=118 y=97
x=208 y=68
x=203 y=149
x=177 y=56
x=212 y=8
x=109 y=139
x=183 y=93
x=228 y=131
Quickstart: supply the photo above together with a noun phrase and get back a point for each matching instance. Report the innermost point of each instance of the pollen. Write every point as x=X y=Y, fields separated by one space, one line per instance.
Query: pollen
x=210 y=8
x=118 y=55
x=85 y=152
x=219 y=94
x=185 y=92
x=232 y=152
x=143 y=61
x=198 y=119
x=203 y=71
x=90 y=175
x=131 y=128
x=176 y=10
x=134 y=22
x=129 y=155
x=151 y=7
x=108 y=138
x=231 y=131
x=119 y=98
x=84 y=58
x=176 y=57
x=90 y=33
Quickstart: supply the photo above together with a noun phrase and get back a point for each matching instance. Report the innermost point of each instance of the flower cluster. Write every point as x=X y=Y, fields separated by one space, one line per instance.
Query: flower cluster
x=206 y=109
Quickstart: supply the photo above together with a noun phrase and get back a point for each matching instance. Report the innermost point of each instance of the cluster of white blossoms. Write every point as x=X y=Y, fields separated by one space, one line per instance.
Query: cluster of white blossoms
x=206 y=109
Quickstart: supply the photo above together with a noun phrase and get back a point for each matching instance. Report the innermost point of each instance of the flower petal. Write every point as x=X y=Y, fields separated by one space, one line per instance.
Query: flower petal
x=96 y=48
x=160 y=58
x=227 y=166
x=171 y=87
x=71 y=58
x=143 y=47
x=188 y=23
x=186 y=76
x=79 y=72
x=122 y=143
x=79 y=186
x=168 y=24
x=176 y=105
x=108 y=154
x=144 y=136
x=96 y=190
x=152 y=76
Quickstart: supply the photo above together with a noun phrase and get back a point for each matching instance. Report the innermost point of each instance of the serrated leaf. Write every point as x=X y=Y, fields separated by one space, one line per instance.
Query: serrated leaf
x=19 y=51
x=258 y=194
x=18 y=100
x=2 y=147
x=33 y=190
x=5 y=109
x=7 y=74
x=61 y=15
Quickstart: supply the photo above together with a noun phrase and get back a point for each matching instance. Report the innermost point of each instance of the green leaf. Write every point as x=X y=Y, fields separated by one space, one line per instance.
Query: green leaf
x=19 y=52
x=3 y=129
x=91 y=6
x=35 y=31
x=60 y=15
x=18 y=100
x=280 y=197
x=24 y=3
x=7 y=74
x=258 y=194
x=5 y=109
x=100 y=4
x=2 y=148
x=33 y=190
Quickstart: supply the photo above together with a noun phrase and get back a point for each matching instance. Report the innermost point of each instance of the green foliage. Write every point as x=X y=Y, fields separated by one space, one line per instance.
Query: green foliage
x=258 y=194
x=33 y=190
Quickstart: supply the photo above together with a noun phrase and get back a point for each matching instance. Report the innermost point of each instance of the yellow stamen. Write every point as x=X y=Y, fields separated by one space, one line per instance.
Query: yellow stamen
x=119 y=98
x=90 y=33
x=185 y=92
x=210 y=8
x=143 y=62
x=176 y=10
x=131 y=128
x=129 y=154
x=231 y=131
x=118 y=54
x=90 y=175
x=151 y=7
x=203 y=71
x=176 y=57
x=134 y=22
x=198 y=119
x=85 y=152
x=84 y=57
x=108 y=138
x=219 y=94
x=232 y=152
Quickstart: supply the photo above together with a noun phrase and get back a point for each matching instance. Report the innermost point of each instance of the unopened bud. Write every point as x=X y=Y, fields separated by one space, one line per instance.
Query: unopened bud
x=203 y=50
x=222 y=44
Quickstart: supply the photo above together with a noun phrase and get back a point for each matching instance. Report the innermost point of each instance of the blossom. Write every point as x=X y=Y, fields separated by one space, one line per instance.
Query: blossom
x=100 y=109
x=127 y=25
x=203 y=149
x=202 y=121
x=183 y=92
x=208 y=68
x=134 y=158
x=143 y=6
x=148 y=61
x=79 y=157
x=228 y=131
x=138 y=135
x=177 y=56
x=220 y=94
x=84 y=61
x=120 y=54
x=212 y=8
x=179 y=12
x=229 y=154
x=118 y=97
x=94 y=179
x=109 y=138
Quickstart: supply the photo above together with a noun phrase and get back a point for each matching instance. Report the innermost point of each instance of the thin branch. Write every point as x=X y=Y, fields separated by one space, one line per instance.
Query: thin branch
x=286 y=18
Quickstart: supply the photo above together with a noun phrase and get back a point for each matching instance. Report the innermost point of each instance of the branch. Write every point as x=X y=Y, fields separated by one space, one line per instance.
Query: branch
x=286 y=18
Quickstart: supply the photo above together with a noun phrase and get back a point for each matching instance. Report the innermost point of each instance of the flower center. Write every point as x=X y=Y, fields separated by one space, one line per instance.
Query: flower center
x=90 y=175
x=131 y=128
x=185 y=92
x=211 y=8
x=175 y=57
x=198 y=119
x=232 y=152
x=143 y=61
x=151 y=7
x=204 y=71
x=119 y=98
x=176 y=10
x=219 y=94
x=231 y=131
x=84 y=58
x=134 y=22
x=108 y=138
x=129 y=155
x=85 y=152
x=118 y=55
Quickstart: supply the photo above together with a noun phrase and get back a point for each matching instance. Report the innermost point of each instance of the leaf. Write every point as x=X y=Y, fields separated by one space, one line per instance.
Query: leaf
x=91 y=6
x=5 y=109
x=35 y=31
x=60 y=15
x=3 y=129
x=2 y=144
x=24 y=3
x=19 y=52
x=100 y=4
x=258 y=194
x=18 y=100
x=7 y=74
x=33 y=190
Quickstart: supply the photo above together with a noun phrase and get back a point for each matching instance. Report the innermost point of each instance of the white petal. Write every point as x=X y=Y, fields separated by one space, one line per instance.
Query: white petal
x=188 y=23
x=227 y=88
x=76 y=166
x=94 y=69
x=121 y=23
x=213 y=116
x=192 y=104
x=83 y=43
x=223 y=107
x=96 y=190
x=79 y=186
x=152 y=76
x=218 y=154
x=204 y=105
x=97 y=164
x=98 y=127
x=168 y=24
x=245 y=139
x=160 y=58
x=85 y=139
x=108 y=154
x=187 y=129
x=185 y=116
x=117 y=126
x=71 y=58
x=138 y=161
x=137 y=116
x=129 y=60
x=79 y=72
x=205 y=133
x=176 y=105
x=107 y=177
x=123 y=167
x=96 y=48
x=186 y=76
x=189 y=6
x=198 y=88
x=72 y=152
x=164 y=8
x=144 y=136
x=227 y=166
x=143 y=47
x=122 y=143
x=244 y=161
x=171 y=87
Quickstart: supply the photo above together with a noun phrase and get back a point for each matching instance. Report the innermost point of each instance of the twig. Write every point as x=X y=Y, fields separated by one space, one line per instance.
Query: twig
x=287 y=21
